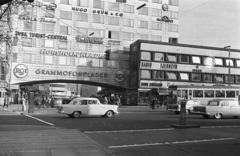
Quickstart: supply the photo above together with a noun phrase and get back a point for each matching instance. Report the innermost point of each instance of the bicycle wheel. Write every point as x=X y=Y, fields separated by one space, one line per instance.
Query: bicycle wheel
x=148 y=107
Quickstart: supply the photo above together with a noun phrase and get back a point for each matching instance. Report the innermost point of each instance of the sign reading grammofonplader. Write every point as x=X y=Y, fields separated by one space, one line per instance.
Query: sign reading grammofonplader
x=70 y=73
x=71 y=53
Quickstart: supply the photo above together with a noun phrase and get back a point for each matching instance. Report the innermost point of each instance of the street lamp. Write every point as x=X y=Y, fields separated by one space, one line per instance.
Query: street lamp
x=228 y=47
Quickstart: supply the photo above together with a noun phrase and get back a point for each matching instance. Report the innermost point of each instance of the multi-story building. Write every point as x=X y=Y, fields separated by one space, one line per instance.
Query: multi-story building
x=158 y=65
x=67 y=39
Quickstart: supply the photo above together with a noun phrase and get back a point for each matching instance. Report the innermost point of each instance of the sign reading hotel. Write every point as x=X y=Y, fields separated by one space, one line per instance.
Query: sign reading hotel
x=150 y=84
x=85 y=39
x=71 y=53
x=157 y=65
x=38 y=35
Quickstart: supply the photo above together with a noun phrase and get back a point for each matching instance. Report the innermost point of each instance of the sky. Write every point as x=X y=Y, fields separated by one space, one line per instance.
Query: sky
x=214 y=23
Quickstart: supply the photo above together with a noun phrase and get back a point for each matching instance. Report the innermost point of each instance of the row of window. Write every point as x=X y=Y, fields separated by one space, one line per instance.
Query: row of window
x=205 y=93
x=188 y=76
x=189 y=59
x=142 y=24
x=86 y=62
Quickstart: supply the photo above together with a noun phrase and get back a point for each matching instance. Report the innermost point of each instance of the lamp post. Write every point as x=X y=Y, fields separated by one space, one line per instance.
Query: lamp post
x=229 y=74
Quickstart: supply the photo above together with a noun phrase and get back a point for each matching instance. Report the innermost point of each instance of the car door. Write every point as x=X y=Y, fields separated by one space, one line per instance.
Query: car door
x=235 y=108
x=95 y=108
x=82 y=106
x=225 y=108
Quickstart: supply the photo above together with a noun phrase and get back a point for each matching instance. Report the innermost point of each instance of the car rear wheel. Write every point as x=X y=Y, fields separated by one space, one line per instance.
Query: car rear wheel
x=76 y=114
x=217 y=116
x=109 y=114
x=206 y=116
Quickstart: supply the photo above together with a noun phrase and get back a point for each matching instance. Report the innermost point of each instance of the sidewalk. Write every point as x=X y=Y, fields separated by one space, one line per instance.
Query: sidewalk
x=29 y=140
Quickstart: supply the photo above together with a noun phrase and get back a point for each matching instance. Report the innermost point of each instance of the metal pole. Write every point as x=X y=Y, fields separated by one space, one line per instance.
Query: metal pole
x=229 y=74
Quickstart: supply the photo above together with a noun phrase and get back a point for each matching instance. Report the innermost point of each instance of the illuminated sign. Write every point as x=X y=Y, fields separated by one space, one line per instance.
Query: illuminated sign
x=164 y=19
x=119 y=76
x=20 y=71
x=79 y=9
x=70 y=73
x=85 y=39
x=107 y=13
x=156 y=65
x=71 y=53
x=165 y=7
x=37 y=35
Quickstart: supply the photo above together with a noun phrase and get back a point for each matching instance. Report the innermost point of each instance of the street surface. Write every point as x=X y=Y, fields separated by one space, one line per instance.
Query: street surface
x=140 y=133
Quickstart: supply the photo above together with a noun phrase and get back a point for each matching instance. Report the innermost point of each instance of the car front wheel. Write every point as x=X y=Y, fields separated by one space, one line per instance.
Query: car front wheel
x=217 y=116
x=109 y=114
x=76 y=114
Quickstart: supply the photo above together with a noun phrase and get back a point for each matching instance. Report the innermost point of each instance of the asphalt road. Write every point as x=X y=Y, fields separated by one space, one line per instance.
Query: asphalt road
x=149 y=133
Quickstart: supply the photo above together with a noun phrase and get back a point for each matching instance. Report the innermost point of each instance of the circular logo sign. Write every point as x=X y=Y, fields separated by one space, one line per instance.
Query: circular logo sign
x=209 y=61
x=119 y=75
x=165 y=7
x=20 y=71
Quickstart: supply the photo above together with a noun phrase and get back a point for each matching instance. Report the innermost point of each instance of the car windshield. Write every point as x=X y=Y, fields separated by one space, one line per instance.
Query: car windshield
x=213 y=103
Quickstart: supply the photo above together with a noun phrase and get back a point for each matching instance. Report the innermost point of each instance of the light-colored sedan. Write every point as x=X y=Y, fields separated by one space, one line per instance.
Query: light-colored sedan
x=218 y=108
x=189 y=106
x=87 y=106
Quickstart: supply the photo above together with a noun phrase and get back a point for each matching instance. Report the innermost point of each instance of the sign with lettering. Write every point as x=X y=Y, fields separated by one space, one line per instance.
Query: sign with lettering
x=38 y=35
x=113 y=42
x=165 y=7
x=79 y=9
x=72 y=53
x=119 y=76
x=121 y=1
x=47 y=5
x=85 y=39
x=164 y=19
x=197 y=70
x=29 y=18
x=150 y=84
x=157 y=65
x=104 y=12
x=20 y=71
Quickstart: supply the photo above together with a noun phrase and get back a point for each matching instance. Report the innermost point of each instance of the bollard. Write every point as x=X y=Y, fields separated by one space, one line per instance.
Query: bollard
x=182 y=118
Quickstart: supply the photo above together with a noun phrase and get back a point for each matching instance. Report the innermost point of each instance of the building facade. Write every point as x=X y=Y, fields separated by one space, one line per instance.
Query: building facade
x=158 y=65
x=67 y=39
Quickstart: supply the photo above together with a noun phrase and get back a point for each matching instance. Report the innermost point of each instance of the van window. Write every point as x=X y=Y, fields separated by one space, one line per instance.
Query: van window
x=233 y=103
x=224 y=103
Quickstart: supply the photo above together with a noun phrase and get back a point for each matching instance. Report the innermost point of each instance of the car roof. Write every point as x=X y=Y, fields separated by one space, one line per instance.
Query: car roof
x=86 y=98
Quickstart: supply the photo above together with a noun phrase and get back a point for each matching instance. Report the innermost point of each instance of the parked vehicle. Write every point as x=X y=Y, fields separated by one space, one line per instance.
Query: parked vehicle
x=58 y=101
x=189 y=106
x=219 y=108
x=87 y=106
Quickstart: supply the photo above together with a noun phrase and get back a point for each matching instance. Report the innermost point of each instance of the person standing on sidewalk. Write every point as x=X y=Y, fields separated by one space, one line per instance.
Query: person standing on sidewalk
x=5 y=102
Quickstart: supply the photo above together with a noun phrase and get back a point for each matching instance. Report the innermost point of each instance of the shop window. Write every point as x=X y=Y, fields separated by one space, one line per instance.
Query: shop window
x=65 y=15
x=173 y=28
x=156 y=26
x=159 y=57
x=128 y=8
x=128 y=22
x=238 y=63
x=197 y=93
x=82 y=3
x=227 y=61
x=157 y=1
x=67 y=2
x=184 y=76
x=98 y=19
x=143 y=24
x=171 y=75
x=97 y=62
x=29 y=58
x=113 y=6
x=145 y=55
x=143 y=11
x=209 y=93
x=113 y=20
x=146 y=74
x=156 y=12
x=156 y=38
x=98 y=4
x=81 y=61
x=218 y=61
x=157 y=74
x=196 y=59
x=82 y=17
x=231 y=78
x=65 y=30
x=220 y=93
x=173 y=2
x=237 y=77
x=207 y=77
x=62 y=60
x=128 y=36
x=171 y=58
x=184 y=58
x=218 y=78
x=143 y=36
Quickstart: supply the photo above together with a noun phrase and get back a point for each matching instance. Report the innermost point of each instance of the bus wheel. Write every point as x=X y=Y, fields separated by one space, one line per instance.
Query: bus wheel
x=206 y=116
x=217 y=116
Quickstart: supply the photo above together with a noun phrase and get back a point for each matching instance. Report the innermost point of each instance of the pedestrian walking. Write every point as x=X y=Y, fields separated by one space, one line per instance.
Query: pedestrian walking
x=5 y=102
x=105 y=100
x=118 y=101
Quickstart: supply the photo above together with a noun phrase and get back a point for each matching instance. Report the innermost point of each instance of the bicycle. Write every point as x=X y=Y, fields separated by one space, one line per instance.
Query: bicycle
x=149 y=107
